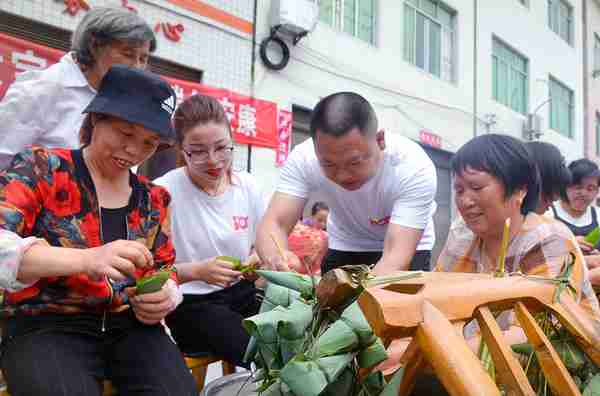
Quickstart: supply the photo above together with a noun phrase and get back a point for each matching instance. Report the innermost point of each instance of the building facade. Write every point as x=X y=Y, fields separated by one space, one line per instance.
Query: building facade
x=440 y=72
x=591 y=71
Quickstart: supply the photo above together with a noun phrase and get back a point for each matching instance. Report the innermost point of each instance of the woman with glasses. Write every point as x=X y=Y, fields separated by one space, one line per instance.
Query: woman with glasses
x=214 y=213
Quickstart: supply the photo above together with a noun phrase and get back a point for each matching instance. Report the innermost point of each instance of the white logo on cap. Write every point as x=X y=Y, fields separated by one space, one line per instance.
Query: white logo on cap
x=168 y=104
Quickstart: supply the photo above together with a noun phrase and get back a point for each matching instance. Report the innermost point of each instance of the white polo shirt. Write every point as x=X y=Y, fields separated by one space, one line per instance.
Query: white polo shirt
x=203 y=226
x=401 y=192
x=44 y=108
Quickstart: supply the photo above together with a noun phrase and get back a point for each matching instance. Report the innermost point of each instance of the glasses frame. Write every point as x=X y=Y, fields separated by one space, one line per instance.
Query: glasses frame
x=227 y=152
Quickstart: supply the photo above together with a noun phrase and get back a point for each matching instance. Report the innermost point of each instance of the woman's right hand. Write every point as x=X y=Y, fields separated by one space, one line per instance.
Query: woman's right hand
x=117 y=260
x=216 y=272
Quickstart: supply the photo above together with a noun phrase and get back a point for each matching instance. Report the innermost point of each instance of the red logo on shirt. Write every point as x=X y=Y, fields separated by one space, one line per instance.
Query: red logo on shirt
x=240 y=223
x=382 y=221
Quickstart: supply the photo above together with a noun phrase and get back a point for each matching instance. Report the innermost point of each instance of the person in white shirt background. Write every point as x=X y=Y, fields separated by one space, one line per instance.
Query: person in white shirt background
x=45 y=107
x=215 y=211
x=380 y=190
x=576 y=209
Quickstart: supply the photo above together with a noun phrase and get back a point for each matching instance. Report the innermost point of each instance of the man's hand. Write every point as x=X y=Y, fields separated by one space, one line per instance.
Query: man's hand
x=151 y=308
x=287 y=261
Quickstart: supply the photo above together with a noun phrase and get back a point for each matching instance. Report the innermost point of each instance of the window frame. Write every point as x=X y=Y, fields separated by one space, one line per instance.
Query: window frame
x=511 y=68
x=556 y=26
x=338 y=19
x=556 y=82
x=444 y=31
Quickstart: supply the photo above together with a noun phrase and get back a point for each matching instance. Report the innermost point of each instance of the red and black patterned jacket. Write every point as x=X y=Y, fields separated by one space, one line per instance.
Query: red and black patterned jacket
x=49 y=194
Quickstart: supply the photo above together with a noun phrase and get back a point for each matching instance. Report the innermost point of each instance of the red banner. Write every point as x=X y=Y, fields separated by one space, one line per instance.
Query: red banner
x=253 y=121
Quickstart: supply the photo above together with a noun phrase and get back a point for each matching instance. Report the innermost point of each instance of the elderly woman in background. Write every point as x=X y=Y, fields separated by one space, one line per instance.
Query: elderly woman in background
x=215 y=213
x=77 y=228
x=494 y=180
x=45 y=107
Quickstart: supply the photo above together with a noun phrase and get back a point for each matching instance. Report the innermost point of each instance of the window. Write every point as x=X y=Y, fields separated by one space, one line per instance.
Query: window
x=429 y=37
x=510 y=78
x=561 y=108
x=598 y=133
x=560 y=19
x=355 y=17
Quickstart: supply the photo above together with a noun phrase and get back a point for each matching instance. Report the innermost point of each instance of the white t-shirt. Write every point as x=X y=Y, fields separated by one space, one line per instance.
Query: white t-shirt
x=401 y=192
x=582 y=221
x=44 y=108
x=203 y=226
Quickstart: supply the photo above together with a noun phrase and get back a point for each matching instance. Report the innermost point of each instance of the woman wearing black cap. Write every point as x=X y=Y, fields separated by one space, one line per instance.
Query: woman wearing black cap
x=77 y=228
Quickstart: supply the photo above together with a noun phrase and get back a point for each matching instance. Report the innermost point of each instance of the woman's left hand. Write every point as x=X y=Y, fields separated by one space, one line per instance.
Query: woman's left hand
x=151 y=308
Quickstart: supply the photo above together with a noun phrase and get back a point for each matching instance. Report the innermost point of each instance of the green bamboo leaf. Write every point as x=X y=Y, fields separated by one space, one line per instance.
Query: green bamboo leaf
x=277 y=295
x=393 y=387
x=524 y=348
x=295 y=323
x=298 y=282
x=593 y=387
x=570 y=354
x=310 y=377
x=372 y=355
x=338 y=338
x=356 y=320
x=251 y=350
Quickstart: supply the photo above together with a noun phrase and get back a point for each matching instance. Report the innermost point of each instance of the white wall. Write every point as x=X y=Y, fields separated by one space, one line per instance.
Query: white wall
x=593 y=10
x=327 y=61
x=526 y=30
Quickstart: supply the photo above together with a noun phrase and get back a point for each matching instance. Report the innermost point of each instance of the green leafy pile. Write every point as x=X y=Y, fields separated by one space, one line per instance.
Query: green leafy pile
x=304 y=345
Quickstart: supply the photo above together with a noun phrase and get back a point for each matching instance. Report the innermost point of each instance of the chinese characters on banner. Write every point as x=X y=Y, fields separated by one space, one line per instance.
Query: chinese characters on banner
x=253 y=121
x=284 y=134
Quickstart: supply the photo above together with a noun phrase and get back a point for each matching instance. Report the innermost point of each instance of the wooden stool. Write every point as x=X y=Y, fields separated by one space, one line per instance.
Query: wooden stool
x=198 y=364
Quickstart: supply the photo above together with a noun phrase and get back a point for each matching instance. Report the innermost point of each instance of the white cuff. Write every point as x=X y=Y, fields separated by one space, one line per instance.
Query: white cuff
x=12 y=249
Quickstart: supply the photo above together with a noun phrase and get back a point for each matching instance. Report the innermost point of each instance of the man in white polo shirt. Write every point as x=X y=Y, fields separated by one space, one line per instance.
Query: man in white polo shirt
x=380 y=190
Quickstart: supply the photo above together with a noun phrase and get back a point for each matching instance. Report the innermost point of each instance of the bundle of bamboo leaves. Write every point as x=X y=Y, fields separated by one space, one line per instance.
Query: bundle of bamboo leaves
x=310 y=337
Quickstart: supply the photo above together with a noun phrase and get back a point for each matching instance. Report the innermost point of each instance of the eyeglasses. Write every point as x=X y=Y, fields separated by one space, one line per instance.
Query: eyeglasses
x=201 y=156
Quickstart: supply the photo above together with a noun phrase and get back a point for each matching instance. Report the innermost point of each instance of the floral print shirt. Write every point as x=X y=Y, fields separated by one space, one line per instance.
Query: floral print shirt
x=49 y=194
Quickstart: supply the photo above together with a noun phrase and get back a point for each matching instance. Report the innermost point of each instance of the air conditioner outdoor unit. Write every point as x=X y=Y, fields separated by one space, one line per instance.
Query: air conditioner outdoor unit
x=532 y=128
x=294 y=18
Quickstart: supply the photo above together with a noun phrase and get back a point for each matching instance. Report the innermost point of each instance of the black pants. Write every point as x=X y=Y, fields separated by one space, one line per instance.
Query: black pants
x=213 y=322
x=337 y=258
x=70 y=355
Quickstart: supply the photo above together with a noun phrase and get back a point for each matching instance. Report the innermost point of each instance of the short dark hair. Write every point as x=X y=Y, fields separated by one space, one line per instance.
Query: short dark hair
x=581 y=169
x=317 y=207
x=339 y=113
x=505 y=158
x=554 y=174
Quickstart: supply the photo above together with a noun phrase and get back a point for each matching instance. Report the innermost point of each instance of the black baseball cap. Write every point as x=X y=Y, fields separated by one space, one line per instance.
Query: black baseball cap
x=137 y=96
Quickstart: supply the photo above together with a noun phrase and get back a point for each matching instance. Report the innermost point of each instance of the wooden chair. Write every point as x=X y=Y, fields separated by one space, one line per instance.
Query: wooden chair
x=429 y=310
x=197 y=363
